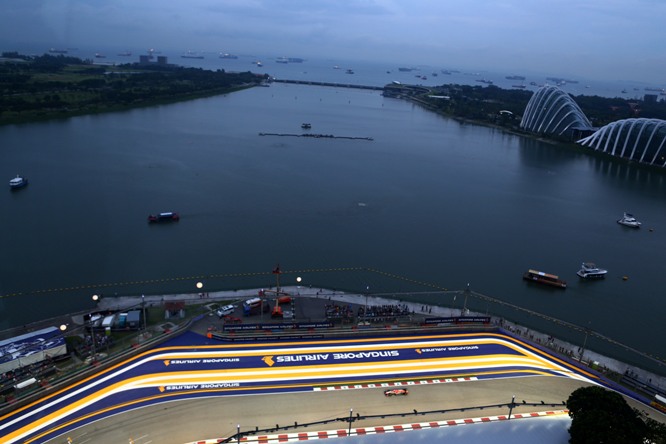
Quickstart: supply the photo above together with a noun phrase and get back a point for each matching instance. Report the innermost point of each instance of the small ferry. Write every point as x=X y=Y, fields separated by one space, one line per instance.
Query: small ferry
x=544 y=278
x=164 y=217
x=589 y=270
x=306 y=126
x=628 y=220
x=18 y=182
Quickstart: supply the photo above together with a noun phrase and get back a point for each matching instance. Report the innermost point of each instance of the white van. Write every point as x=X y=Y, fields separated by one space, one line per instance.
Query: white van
x=225 y=311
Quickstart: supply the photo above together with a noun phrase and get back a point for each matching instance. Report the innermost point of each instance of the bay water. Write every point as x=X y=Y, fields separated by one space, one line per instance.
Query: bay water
x=429 y=199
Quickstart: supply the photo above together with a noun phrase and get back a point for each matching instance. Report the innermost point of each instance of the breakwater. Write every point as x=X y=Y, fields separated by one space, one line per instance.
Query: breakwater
x=316 y=136
x=333 y=84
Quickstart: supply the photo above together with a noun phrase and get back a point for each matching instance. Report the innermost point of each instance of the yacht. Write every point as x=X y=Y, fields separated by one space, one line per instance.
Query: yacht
x=628 y=220
x=588 y=270
x=18 y=182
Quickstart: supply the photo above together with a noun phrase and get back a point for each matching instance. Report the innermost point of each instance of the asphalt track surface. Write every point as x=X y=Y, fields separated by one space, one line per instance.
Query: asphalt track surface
x=193 y=388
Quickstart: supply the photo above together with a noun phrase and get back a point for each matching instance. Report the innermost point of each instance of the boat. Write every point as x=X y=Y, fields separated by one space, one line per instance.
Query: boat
x=164 y=217
x=306 y=126
x=628 y=220
x=18 y=182
x=191 y=55
x=544 y=278
x=515 y=77
x=228 y=56
x=350 y=71
x=588 y=270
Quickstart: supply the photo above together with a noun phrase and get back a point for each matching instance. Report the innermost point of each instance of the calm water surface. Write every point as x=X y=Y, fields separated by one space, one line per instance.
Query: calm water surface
x=429 y=198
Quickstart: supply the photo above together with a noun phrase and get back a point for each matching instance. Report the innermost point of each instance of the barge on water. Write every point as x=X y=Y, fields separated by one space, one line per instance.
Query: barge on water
x=544 y=278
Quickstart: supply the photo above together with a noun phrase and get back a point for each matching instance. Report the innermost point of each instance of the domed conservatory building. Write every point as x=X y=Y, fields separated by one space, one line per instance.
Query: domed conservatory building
x=553 y=112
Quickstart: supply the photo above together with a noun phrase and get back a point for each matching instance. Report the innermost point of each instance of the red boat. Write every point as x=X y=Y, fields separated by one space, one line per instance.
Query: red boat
x=163 y=217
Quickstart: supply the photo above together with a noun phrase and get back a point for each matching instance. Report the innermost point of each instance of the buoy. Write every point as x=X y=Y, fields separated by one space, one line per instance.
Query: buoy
x=624 y=278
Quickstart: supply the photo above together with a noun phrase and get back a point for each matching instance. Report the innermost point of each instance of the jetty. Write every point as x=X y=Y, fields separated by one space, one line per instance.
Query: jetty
x=316 y=136
x=333 y=84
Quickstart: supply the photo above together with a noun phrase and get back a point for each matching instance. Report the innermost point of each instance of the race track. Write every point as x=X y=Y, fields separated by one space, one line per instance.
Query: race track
x=192 y=368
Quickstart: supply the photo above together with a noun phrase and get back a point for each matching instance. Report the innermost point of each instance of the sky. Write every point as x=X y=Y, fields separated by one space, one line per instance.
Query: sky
x=595 y=39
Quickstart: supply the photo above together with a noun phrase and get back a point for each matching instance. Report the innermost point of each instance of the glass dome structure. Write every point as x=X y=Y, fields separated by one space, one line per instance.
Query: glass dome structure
x=641 y=140
x=552 y=111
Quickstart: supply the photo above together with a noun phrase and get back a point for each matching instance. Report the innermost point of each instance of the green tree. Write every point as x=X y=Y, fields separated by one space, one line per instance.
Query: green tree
x=602 y=416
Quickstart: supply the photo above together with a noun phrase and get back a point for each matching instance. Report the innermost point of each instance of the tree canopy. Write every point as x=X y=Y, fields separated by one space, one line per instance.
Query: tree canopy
x=602 y=416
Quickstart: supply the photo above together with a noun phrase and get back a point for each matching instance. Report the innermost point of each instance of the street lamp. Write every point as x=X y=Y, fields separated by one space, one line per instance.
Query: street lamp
x=582 y=350
x=464 y=310
x=365 y=309
x=143 y=310
x=92 y=335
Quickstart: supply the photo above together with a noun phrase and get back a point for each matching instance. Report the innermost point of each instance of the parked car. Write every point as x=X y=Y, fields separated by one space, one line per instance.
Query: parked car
x=225 y=311
x=396 y=392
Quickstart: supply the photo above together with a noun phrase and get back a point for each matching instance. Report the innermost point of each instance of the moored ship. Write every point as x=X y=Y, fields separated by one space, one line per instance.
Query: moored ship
x=164 y=217
x=544 y=278
x=589 y=270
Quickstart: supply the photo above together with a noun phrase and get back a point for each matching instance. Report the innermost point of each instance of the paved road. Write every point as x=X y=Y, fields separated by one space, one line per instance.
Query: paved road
x=218 y=417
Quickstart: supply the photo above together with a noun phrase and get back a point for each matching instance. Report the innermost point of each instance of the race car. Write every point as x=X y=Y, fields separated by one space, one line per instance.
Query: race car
x=396 y=392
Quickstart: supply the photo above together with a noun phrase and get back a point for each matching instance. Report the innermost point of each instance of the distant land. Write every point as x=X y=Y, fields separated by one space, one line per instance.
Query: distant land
x=51 y=86
x=56 y=85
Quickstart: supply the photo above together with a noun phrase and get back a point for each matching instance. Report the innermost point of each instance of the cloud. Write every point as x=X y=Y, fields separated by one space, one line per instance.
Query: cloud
x=590 y=36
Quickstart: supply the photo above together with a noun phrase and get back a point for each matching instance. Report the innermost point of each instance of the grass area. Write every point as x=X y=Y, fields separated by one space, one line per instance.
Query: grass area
x=53 y=88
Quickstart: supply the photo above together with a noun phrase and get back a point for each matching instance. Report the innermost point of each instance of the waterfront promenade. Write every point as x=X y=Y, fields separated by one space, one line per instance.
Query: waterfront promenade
x=316 y=297
x=311 y=303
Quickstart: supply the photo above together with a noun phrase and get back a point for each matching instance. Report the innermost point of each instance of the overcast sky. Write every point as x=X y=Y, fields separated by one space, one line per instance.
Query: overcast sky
x=596 y=39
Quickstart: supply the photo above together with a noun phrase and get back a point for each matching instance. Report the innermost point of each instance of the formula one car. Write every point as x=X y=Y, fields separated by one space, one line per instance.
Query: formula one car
x=396 y=392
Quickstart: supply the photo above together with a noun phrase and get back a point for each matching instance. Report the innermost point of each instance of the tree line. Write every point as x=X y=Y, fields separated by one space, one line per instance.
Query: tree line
x=48 y=86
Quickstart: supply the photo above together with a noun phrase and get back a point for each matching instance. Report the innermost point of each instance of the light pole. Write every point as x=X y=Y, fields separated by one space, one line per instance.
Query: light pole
x=582 y=350
x=464 y=310
x=95 y=299
x=350 y=421
x=365 y=309
x=238 y=433
x=143 y=310
x=92 y=335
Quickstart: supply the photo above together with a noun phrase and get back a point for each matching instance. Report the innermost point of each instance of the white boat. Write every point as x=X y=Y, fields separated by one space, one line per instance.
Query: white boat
x=18 y=182
x=629 y=220
x=589 y=270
